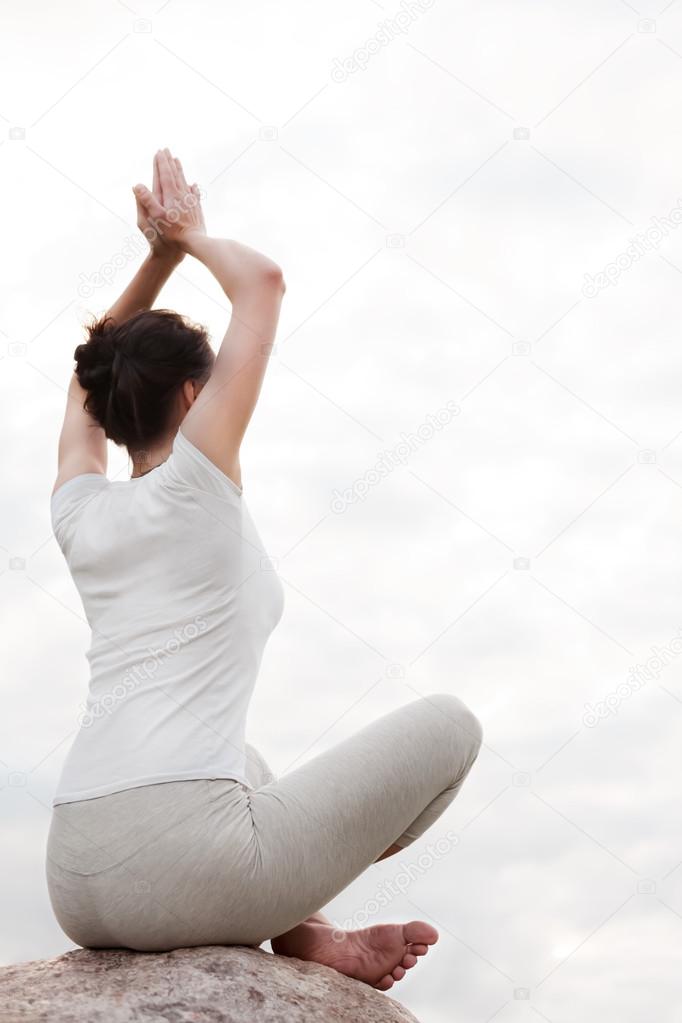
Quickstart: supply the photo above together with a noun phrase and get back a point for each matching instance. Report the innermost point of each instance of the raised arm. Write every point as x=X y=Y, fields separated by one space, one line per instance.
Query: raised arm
x=144 y=288
x=82 y=443
x=163 y=257
x=217 y=420
x=254 y=284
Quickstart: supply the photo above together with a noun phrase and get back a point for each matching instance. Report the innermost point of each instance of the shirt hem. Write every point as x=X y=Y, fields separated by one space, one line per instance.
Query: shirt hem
x=154 y=779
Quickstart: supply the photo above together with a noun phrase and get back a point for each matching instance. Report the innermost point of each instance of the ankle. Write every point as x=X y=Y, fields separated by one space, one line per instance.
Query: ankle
x=294 y=937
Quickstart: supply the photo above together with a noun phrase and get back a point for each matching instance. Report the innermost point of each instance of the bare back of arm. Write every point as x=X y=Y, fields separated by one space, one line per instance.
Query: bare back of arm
x=217 y=421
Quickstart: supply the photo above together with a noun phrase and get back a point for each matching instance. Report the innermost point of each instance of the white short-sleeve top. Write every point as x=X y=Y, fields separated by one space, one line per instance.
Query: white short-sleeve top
x=180 y=598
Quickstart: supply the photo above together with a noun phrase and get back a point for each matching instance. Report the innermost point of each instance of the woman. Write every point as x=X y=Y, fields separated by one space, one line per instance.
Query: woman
x=168 y=830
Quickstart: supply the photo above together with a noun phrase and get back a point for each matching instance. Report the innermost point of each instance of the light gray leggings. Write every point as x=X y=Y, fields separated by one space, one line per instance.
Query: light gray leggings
x=219 y=863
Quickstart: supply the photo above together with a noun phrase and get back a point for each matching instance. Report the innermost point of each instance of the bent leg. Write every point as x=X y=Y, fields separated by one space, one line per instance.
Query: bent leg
x=218 y=862
x=323 y=824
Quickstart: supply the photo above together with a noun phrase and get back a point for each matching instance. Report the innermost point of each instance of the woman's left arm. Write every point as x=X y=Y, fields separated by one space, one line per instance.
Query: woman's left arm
x=164 y=256
x=82 y=442
x=145 y=286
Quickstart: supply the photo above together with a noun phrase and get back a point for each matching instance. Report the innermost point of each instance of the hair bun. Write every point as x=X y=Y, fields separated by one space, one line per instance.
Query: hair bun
x=101 y=371
x=131 y=372
x=95 y=358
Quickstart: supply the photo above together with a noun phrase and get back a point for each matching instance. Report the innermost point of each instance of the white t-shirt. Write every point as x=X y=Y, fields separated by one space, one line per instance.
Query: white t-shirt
x=180 y=597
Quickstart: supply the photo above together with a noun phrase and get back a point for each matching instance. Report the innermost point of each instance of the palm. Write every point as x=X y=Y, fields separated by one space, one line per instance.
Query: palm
x=172 y=210
x=159 y=245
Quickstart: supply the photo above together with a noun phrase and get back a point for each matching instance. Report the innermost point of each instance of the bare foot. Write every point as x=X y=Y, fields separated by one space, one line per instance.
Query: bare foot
x=377 y=955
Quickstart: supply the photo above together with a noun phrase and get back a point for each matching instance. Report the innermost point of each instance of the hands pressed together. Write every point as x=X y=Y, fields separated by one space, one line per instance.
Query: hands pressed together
x=172 y=220
x=170 y=214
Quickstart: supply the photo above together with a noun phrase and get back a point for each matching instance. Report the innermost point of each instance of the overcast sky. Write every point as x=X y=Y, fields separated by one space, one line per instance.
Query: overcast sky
x=476 y=207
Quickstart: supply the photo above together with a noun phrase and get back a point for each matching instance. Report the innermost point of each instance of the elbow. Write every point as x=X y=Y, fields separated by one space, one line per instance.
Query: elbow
x=264 y=279
x=275 y=278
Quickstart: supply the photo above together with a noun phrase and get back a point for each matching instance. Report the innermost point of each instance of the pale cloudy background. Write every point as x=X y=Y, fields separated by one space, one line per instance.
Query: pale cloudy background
x=435 y=213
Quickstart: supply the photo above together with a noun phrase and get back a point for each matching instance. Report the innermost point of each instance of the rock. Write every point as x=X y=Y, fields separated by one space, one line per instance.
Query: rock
x=213 y=984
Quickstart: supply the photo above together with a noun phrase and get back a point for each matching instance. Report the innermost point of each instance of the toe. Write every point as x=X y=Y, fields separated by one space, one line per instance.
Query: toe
x=419 y=950
x=397 y=973
x=385 y=983
x=420 y=932
x=409 y=961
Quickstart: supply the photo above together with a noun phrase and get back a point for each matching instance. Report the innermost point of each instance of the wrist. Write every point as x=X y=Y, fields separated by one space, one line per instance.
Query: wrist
x=190 y=239
x=167 y=260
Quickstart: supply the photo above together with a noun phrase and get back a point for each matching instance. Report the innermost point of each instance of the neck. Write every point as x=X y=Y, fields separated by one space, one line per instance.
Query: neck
x=148 y=458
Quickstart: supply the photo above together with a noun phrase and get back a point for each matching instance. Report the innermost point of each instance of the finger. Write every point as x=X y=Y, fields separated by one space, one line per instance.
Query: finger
x=167 y=178
x=174 y=173
x=149 y=203
x=156 y=183
x=181 y=176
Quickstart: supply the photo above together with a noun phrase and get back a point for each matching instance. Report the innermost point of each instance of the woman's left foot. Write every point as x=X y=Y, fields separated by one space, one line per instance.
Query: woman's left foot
x=377 y=955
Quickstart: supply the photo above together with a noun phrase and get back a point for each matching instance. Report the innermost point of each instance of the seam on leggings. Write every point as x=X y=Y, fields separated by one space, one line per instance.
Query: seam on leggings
x=254 y=832
x=255 y=842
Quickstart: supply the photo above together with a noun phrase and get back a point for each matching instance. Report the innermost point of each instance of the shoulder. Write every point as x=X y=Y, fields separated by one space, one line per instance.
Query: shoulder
x=73 y=488
x=77 y=466
x=70 y=498
x=189 y=467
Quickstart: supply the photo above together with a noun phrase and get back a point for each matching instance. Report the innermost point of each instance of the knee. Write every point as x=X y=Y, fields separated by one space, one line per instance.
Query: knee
x=467 y=727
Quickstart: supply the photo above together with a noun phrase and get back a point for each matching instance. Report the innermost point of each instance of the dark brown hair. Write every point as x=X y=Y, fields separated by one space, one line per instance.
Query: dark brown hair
x=132 y=372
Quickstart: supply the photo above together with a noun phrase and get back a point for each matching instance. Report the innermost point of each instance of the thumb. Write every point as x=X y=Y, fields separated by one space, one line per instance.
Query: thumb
x=148 y=201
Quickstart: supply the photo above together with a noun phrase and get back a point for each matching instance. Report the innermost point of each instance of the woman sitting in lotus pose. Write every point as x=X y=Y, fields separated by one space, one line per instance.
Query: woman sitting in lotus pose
x=168 y=829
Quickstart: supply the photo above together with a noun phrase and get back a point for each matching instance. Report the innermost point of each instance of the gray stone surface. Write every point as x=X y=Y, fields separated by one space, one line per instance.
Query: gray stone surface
x=191 y=985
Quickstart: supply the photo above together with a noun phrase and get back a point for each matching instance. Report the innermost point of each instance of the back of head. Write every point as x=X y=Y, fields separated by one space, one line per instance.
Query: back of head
x=133 y=372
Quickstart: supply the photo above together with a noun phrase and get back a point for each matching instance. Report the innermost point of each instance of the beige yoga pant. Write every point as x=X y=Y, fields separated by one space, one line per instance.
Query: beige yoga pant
x=219 y=863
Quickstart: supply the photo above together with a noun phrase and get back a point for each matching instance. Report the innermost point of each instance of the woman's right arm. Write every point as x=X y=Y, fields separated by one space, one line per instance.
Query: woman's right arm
x=254 y=284
x=217 y=420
